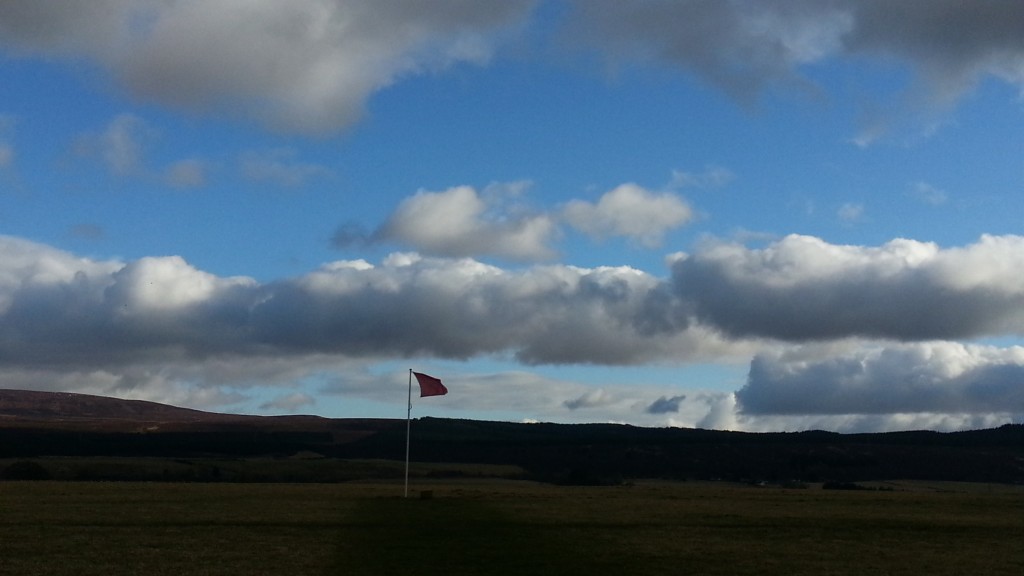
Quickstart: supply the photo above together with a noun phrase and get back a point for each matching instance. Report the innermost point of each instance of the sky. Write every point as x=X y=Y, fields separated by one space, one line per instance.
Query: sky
x=762 y=216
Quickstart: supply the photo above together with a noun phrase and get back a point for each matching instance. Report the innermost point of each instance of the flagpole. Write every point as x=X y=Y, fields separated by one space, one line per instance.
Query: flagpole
x=408 y=419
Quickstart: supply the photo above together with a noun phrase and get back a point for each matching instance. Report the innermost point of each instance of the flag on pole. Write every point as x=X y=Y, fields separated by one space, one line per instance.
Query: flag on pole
x=430 y=386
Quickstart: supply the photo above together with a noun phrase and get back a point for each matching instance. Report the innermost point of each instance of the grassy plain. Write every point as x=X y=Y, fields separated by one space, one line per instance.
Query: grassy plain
x=502 y=527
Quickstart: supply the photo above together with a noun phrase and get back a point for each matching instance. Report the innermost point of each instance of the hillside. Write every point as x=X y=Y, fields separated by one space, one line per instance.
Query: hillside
x=55 y=408
x=37 y=424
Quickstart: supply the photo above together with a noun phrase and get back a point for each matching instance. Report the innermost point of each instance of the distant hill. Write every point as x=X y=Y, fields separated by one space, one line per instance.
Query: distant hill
x=49 y=415
x=35 y=424
x=66 y=407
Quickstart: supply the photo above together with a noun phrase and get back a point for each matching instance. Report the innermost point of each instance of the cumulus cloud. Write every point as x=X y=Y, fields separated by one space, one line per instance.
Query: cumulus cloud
x=59 y=309
x=720 y=302
x=631 y=211
x=930 y=377
x=460 y=222
x=802 y=288
x=158 y=328
x=304 y=66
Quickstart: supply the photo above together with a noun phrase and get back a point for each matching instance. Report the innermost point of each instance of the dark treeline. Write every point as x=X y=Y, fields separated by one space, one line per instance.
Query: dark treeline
x=566 y=453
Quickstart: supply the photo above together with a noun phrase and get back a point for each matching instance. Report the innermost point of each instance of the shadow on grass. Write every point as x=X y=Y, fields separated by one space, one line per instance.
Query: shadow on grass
x=447 y=536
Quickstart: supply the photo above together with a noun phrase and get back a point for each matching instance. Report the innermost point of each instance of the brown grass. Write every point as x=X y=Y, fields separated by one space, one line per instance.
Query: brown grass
x=486 y=527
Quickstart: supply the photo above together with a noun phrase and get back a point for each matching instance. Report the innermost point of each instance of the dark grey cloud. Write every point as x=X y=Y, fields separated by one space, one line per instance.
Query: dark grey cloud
x=666 y=405
x=935 y=377
x=592 y=399
x=953 y=44
x=746 y=47
x=740 y=47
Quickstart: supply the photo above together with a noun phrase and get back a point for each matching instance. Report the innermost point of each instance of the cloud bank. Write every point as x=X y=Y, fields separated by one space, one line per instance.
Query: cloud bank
x=835 y=331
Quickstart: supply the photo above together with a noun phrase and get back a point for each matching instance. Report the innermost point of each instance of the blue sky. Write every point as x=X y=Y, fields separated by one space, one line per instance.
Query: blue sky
x=750 y=215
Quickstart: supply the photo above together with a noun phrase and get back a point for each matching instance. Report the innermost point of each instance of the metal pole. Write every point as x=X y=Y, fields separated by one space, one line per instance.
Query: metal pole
x=408 y=419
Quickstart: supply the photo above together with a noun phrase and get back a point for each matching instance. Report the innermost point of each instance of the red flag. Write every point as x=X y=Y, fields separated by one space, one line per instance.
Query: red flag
x=430 y=386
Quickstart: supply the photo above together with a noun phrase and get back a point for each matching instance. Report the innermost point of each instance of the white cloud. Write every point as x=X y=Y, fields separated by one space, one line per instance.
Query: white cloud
x=721 y=414
x=630 y=211
x=460 y=222
x=802 y=288
x=303 y=66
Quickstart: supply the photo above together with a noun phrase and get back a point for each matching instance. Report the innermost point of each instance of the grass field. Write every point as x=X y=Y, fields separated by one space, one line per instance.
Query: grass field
x=494 y=527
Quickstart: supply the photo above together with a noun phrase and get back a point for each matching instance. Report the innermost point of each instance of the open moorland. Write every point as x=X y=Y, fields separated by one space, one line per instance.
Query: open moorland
x=502 y=527
x=80 y=437
x=96 y=485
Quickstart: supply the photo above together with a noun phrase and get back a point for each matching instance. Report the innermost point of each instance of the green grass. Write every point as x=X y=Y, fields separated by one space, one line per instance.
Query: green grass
x=495 y=527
